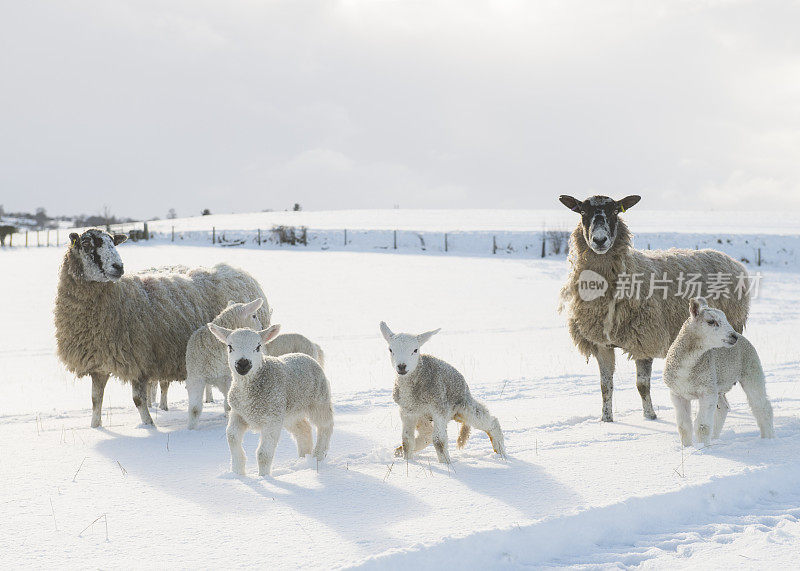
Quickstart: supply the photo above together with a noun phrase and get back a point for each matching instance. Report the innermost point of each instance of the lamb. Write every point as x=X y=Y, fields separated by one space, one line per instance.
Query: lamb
x=642 y=323
x=135 y=327
x=268 y=393
x=704 y=362
x=430 y=393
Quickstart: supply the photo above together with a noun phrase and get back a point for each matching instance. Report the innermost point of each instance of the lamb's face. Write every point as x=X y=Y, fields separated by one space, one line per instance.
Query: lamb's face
x=97 y=251
x=244 y=345
x=711 y=325
x=404 y=348
x=599 y=218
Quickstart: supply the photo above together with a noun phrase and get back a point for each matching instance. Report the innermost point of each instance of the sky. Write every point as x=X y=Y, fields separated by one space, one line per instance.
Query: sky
x=237 y=106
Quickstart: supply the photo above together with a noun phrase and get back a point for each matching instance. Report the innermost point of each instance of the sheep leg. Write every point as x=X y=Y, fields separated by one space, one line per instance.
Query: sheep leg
x=301 y=430
x=409 y=423
x=756 y=391
x=322 y=418
x=423 y=439
x=440 y=439
x=270 y=433
x=152 y=392
x=705 y=417
x=139 y=390
x=683 y=418
x=194 y=387
x=163 y=405
x=235 y=432
x=99 y=381
x=476 y=414
x=719 y=417
x=605 y=361
x=209 y=393
x=644 y=368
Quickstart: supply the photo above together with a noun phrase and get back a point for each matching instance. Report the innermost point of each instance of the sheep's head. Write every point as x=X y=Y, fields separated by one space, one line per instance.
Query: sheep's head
x=237 y=315
x=97 y=252
x=244 y=345
x=404 y=348
x=599 y=218
x=710 y=325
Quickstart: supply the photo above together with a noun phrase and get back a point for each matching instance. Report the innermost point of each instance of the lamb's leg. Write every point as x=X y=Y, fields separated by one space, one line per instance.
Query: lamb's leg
x=644 y=368
x=755 y=389
x=152 y=393
x=235 y=432
x=301 y=430
x=440 y=439
x=194 y=386
x=605 y=360
x=209 y=393
x=476 y=414
x=139 y=390
x=409 y=422
x=705 y=417
x=163 y=405
x=683 y=418
x=322 y=417
x=99 y=381
x=719 y=418
x=270 y=433
x=424 y=436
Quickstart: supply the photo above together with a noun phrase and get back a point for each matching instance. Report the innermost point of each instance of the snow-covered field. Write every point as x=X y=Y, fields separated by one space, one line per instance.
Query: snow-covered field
x=575 y=492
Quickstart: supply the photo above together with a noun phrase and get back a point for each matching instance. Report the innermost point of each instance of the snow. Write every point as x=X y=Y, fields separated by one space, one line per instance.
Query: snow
x=575 y=492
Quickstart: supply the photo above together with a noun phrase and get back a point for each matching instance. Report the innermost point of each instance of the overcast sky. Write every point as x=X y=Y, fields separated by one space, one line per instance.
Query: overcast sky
x=241 y=106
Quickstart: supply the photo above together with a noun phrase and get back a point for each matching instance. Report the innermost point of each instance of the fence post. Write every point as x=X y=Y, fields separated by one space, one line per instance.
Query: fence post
x=38 y=241
x=259 y=236
x=544 y=244
x=173 y=233
x=26 y=238
x=445 y=241
x=759 y=256
x=58 y=238
x=494 y=244
x=213 y=234
x=146 y=232
x=345 y=236
x=395 y=239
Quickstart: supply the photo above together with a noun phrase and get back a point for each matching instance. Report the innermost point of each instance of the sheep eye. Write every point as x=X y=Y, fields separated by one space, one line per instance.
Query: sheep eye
x=258 y=348
x=230 y=348
x=390 y=350
x=254 y=316
x=415 y=350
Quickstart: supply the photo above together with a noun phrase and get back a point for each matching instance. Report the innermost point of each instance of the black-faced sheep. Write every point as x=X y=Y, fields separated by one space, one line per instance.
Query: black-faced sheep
x=644 y=305
x=135 y=327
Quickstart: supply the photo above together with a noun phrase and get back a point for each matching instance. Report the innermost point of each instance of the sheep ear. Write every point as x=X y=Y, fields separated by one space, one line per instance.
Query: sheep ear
x=119 y=239
x=219 y=332
x=570 y=202
x=387 y=333
x=74 y=240
x=424 y=337
x=628 y=202
x=230 y=303
x=697 y=305
x=253 y=306
x=270 y=333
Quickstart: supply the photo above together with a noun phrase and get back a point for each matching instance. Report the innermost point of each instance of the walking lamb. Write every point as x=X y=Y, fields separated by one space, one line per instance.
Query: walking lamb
x=706 y=359
x=268 y=393
x=430 y=393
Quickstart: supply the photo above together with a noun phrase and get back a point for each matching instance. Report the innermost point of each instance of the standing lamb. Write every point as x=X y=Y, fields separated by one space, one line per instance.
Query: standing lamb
x=430 y=393
x=135 y=327
x=704 y=362
x=207 y=364
x=644 y=319
x=268 y=393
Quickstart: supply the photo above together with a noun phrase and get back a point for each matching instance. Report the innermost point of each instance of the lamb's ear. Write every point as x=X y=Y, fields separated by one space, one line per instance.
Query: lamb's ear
x=570 y=202
x=628 y=202
x=697 y=305
x=387 y=333
x=74 y=240
x=119 y=239
x=424 y=337
x=219 y=332
x=253 y=306
x=269 y=333
x=230 y=303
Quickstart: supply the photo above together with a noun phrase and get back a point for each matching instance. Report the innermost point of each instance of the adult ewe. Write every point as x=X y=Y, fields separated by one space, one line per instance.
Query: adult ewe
x=135 y=327
x=642 y=320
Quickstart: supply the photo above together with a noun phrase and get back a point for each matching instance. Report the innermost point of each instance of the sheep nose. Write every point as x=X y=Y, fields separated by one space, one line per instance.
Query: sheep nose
x=401 y=368
x=242 y=366
x=600 y=241
x=118 y=267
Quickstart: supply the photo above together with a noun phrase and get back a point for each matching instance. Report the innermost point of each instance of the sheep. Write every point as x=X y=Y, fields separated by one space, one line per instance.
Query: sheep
x=268 y=393
x=135 y=327
x=6 y=230
x=704 y=362
x=602 y=257
x=430 y=393
x=206 y=364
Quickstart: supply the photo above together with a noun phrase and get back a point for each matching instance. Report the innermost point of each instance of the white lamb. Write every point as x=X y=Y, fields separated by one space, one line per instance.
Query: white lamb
x=430 y=393
x=268 y=393
x=706 y=359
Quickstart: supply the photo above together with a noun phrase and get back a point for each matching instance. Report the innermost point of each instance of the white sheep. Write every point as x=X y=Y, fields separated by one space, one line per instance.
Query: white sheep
x=704 y=362
x=430 y=393
x=135 y=327
x=268 y=393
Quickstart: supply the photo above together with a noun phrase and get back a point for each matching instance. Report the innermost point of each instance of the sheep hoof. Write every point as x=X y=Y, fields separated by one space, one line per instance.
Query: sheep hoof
x=96 y=423
x=607 y=418
x=650 y=415
x=398 y=452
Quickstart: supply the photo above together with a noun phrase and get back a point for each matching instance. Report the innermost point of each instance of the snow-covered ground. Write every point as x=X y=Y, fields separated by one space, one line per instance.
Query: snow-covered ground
x=575 y=492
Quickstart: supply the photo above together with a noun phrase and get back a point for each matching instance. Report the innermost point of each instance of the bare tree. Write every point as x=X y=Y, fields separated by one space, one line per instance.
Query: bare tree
x=172 y=214
x=297 y=207
x=205 y=212
x=41 y=218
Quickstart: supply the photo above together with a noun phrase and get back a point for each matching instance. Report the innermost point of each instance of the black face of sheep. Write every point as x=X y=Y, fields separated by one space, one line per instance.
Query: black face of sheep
x=599 y=218
x=98 y=254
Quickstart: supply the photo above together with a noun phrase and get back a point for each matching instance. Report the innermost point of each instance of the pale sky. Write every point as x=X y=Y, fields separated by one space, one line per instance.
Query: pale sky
x=243 y=106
